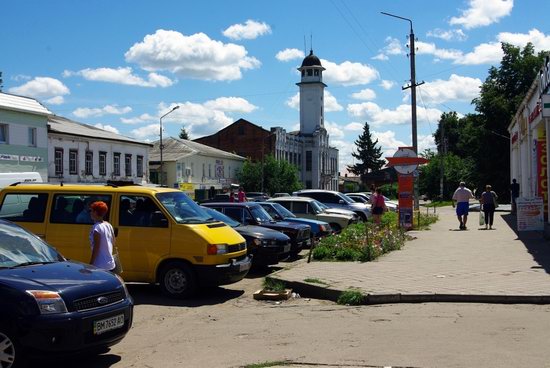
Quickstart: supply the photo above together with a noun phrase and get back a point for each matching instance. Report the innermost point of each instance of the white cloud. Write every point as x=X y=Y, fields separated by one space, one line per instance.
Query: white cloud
x=485 y=53
x=483 y=13
x=249 y=30
x=377 y=116
x=230 y=104
x=388 y=142
x=456 y=88
x=43 y=88
x=150 y=131
x=431 y=49
x=539 y=40
x=393 y=47
x=425 y=142
x=57 y=100
x=289 y=54
x=331 y=104
x=349 y=73
x=387 y=84
x=380 y=56
x=365 y=95
x=85 y=112
x=121 y=76
x=334 y=130
x=196 y=56
x=448 y=35
x=354 y=127
x=108 y=128
x=143 y=118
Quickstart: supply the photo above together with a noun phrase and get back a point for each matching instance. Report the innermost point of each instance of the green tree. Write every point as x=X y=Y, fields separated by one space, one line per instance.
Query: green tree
x=368 y=154
x=278 y=176
x=183 y=133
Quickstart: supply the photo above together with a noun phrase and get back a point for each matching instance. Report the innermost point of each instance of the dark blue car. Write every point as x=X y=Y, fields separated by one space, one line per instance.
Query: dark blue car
x=319 y=229
x=53 y=307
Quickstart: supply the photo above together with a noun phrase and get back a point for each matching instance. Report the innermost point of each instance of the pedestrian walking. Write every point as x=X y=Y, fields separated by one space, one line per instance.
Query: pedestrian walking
x=378 y=205
x=514 y=192
x=462 y=196
x=102 y=240
x=488 y=202
x=241 y=195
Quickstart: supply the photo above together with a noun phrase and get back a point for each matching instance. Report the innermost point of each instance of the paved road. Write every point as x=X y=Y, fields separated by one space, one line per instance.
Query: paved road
x=442 y=264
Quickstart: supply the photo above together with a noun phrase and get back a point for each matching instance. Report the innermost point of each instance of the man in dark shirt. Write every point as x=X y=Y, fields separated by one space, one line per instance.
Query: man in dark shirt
x=514 y=191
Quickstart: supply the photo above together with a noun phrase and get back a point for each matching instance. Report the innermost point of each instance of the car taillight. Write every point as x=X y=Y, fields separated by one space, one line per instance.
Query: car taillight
x=214 y=249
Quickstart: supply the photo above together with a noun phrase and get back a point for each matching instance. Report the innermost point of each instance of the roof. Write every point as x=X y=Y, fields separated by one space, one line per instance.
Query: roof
x=291 y=198
x=83 y=188
x=311 y=60
x=176 y=149
x=240 y=121
x=22 y=104
x=61 y=125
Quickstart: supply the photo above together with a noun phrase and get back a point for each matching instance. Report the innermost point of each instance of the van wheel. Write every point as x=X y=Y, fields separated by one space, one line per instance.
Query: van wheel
x=336 y=228
x=177 y=280
x=8 y=351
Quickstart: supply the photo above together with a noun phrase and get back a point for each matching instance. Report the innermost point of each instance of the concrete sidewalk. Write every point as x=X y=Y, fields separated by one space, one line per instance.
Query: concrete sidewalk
x=441 y=265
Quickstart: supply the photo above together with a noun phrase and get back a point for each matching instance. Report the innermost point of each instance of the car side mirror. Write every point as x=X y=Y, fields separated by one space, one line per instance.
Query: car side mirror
x=341 y=201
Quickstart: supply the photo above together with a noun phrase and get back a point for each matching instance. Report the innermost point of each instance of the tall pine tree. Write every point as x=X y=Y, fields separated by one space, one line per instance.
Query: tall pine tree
x=368 y=154
x=183 y=133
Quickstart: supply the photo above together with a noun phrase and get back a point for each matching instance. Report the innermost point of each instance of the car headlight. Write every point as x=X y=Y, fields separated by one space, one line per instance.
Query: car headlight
x=268 y=242
x=126 y=293
x=214 y=249
x=49 y=302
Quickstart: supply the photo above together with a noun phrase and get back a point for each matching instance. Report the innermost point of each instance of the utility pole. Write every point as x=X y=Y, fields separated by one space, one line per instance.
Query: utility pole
x=412 y=86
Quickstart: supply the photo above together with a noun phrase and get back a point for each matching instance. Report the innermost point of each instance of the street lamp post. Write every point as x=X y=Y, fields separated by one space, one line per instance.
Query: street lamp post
x=162 y=147
x=412 y=86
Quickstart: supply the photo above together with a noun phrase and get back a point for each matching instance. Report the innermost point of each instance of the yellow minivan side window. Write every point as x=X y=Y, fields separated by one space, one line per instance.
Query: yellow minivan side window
x=72 y=208
x=27 y=207
x=140 y=211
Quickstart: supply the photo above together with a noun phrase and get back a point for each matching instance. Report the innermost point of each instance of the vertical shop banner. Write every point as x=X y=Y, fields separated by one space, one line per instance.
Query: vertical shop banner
x=542 y=174
x=406 y=183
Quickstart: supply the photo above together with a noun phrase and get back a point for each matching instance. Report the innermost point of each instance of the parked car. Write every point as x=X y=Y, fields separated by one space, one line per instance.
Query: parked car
x=266 y=246
x=251 y=213
x=257 y=196
x=339 y=211
x=319 y=229
x=222 y=197
x=336 y=200
x=162 y=235
x=50 y=306
x=277 y=195
x=304 y=207
x=364 y=197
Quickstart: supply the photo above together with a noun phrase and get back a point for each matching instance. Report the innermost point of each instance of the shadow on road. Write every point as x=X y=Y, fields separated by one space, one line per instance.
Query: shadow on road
x=536 y=245
x=80 y=361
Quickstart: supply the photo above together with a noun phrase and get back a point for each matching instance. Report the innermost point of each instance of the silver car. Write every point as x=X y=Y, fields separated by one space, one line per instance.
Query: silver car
x=335 y=199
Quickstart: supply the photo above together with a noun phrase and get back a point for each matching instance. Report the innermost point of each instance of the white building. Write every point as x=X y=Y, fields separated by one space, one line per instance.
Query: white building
x=309 y=148
x=82 y=153
x=190 y=165
x=529 y=140
x=23 y=135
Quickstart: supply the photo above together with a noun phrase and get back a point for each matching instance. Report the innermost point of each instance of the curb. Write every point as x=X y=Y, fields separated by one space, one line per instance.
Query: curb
x=326 y=293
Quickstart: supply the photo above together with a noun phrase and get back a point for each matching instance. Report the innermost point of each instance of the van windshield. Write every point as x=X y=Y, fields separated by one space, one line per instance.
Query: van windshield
x=183 y=209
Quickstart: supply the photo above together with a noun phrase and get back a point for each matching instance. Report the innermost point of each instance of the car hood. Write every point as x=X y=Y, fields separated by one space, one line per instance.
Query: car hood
x=340 y=211
x=260 y=232
x=305 y=221
x=284 y=225
x=73 y=280
x=329 y=217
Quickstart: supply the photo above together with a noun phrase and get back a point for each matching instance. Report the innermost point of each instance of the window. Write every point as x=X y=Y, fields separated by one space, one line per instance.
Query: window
x=299 y=207
x=89 y=163
x=308 y=184
x=3 y=133
x=24 y=207
x=235 y=213
x=73 y=162
x=139 y=168
x=116 y=163
x=74 y=208
x=58 y=161
x=140 y=211
x=32 y=137
x=285 y=204
x=309 y=72
x=128 y=164
x=103 y=163
x=308 y=161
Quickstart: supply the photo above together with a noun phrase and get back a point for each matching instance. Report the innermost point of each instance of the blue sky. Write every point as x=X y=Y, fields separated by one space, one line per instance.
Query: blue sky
x=122 y=64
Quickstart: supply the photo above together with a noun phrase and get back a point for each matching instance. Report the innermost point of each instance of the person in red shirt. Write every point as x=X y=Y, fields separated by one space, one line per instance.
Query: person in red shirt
x=241 y=196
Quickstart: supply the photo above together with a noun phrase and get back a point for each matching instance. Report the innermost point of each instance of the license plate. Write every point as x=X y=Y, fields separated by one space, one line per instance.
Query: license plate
x=244 y=266
x=108 y=324
x=286 y=249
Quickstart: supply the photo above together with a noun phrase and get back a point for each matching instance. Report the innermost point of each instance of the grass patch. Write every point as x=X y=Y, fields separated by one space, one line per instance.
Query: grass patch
x=274 y=285
x=424 y=220
x=268 y=364
x=316 y=281
x=351 y=297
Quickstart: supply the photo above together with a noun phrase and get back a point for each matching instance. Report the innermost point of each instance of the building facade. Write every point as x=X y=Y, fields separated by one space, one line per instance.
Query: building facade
x=23 y=135
x=529 y=140
x=82 y=153
x=309 y=148
x=191 y=166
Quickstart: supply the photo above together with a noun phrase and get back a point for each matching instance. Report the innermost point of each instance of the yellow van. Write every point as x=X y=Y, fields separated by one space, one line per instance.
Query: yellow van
x=162 y=236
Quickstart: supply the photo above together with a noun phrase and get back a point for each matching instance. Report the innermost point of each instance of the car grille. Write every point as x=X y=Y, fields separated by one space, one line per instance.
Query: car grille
x=236 y=247
x=93 y=301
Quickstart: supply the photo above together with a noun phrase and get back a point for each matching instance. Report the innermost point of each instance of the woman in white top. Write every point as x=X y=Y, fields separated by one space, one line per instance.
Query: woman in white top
x=102 y=238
